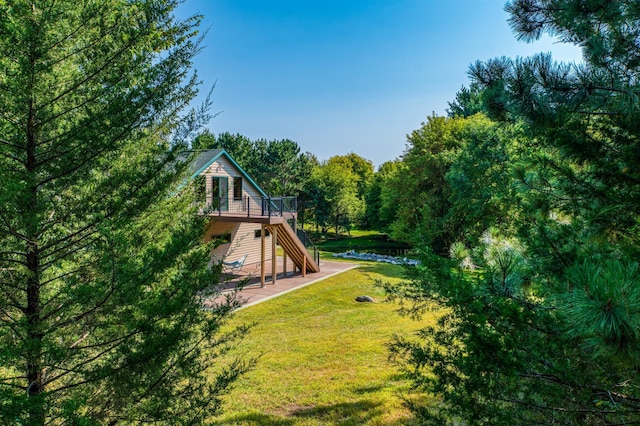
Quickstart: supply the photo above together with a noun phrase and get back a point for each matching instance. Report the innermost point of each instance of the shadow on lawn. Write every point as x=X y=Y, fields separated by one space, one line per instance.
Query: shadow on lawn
x=343 y=414
x=346 y=413
x=257 y=419
x=361 y=390
x=350 y=413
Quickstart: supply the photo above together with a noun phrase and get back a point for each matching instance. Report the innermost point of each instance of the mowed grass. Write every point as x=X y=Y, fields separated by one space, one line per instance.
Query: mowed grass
x=323 y=356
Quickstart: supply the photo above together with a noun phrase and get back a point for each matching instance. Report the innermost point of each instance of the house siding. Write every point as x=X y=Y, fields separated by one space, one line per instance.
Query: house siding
x=222 y=167
x=243 y=241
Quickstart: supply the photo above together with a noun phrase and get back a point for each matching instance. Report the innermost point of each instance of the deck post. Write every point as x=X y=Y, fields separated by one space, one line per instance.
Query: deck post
x=304 y=265
x=274 y=258
x=284 y=263
x=262 y=252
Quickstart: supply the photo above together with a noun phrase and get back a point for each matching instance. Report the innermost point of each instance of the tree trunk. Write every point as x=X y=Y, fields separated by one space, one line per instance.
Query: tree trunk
x=33 y=311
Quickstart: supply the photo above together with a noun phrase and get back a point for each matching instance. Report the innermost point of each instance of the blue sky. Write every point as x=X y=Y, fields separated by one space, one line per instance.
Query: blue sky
x=340 y=76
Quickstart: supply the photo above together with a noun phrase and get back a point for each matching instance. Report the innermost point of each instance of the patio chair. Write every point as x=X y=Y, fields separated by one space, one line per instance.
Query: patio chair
x=230 y=267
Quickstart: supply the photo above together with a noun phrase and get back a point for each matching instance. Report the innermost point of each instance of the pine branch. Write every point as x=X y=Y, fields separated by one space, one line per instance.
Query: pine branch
x=13 y=323
x=78 y=84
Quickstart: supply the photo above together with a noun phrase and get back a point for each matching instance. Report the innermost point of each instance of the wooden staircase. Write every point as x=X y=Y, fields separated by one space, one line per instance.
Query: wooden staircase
x=293 y=247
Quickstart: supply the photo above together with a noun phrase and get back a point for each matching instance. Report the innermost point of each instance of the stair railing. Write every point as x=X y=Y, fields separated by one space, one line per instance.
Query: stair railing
x=306 y=241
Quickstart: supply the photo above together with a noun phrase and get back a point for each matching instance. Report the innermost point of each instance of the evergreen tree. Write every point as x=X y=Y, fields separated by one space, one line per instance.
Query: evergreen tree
x=102 y=272
x=468 y=102
x=546 y=329
x=241 y=148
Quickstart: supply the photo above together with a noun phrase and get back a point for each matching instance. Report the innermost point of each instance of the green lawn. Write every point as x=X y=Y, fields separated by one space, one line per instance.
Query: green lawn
x=323 y=359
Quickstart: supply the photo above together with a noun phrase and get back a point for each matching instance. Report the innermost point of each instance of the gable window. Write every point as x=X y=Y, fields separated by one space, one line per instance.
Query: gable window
x=219 y=189
x=237 y=188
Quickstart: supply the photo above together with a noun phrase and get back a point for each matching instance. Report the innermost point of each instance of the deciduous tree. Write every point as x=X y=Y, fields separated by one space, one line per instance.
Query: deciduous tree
x=335 y=196
x=419 y=192
x=361 y=168
x=377 y=216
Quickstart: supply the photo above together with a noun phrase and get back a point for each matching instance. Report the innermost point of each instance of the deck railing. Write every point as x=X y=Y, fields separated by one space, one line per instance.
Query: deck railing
x=254 y=207
x=278 y=206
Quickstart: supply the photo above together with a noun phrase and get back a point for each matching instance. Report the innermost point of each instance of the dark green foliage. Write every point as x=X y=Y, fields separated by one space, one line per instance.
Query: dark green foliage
x=544 y=330
x=603 y=309
x=417 y=192
x=378 y=214
x=451 y=179
x=334 y=193
x=102 y=269
x=482 y=192
x=468 y=102
x=506 y=351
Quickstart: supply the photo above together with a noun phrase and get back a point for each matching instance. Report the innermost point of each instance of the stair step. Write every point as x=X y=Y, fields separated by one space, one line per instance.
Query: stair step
x=293 y=247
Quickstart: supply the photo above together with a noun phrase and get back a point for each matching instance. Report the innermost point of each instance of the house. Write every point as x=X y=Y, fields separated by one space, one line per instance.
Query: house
x=250 y=223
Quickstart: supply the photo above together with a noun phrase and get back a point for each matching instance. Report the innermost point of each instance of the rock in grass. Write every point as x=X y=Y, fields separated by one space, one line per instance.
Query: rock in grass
x=364 y=299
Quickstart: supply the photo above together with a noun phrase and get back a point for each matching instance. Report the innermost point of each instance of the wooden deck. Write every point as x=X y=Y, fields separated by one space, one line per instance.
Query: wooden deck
x=253 y=293
x=244 y=217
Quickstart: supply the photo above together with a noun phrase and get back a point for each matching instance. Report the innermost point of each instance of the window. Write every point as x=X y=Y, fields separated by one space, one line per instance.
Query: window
x=237 y=188
x=219 y=188
x=257 y=233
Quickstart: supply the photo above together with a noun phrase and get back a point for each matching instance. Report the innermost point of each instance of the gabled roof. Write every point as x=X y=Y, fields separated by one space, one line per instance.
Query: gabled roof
x=207 y=157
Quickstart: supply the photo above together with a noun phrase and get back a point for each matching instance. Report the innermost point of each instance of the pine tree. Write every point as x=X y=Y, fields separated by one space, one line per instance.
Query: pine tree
x=545 y=330
x=102 y=270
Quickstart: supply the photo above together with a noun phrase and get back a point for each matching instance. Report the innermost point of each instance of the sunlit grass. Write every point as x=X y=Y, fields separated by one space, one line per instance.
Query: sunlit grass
x=323 y=356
